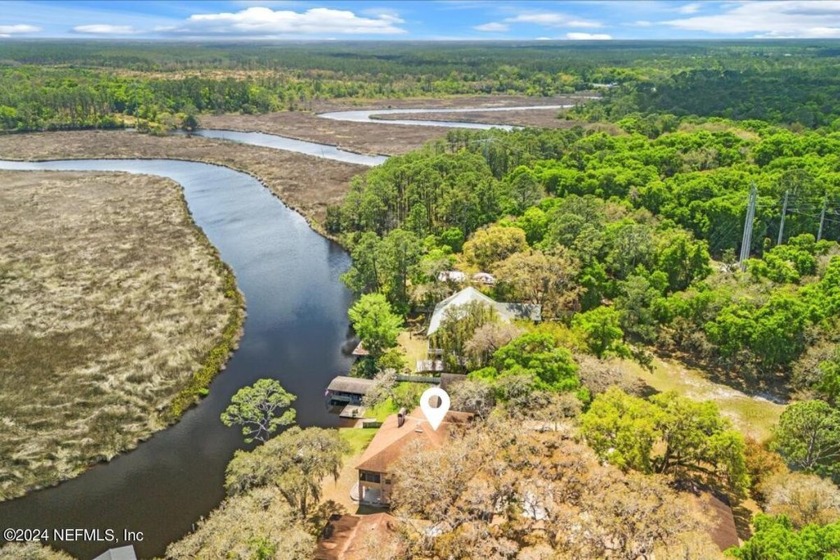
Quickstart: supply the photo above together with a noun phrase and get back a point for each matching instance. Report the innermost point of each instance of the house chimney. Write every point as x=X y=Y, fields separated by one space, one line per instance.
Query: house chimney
x=401 y=417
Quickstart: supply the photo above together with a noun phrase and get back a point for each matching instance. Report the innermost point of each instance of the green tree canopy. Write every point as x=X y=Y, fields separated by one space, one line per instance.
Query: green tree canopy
x=256 y=409
x=808 y=436
x=375 y=323
x=537 y=355
x=667 y=434
x=295 y=462
x=775 y=539
x=601 y=331
x=494 y=244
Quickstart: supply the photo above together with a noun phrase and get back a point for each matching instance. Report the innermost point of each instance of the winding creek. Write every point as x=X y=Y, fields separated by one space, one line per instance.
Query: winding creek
x=370 y=116
x=294 y=331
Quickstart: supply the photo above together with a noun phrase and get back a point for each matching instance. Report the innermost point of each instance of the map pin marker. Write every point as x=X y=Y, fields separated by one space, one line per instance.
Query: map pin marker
x=434 y=415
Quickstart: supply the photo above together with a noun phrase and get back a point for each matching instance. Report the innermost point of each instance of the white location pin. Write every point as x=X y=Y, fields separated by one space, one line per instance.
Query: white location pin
x=434 y=415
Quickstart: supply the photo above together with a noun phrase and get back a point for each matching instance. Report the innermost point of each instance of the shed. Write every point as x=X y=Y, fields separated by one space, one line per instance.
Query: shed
x=348 y=390
x=452 y=276
x=484 y=278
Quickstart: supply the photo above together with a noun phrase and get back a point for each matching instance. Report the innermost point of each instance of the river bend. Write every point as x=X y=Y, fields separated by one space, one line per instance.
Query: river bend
x=294 y=331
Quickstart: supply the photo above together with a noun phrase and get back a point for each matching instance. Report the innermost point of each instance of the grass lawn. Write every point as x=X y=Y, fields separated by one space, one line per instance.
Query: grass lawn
x=414 y=347
x=754 y=416
x=382 y=411
x=357 y=438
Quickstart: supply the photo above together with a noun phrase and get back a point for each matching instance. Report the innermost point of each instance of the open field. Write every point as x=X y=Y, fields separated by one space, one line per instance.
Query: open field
x=415 y=348
x=305 y=183
x=379 y=138
x=753 y=416
x=110 y=301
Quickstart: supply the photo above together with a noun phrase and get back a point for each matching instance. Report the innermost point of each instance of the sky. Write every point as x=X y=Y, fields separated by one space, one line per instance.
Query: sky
x=419 y=20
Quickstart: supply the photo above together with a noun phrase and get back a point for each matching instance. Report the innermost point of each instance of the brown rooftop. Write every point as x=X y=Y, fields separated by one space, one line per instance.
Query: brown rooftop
x=391 y=439
x=721 y=526
x=348 y=537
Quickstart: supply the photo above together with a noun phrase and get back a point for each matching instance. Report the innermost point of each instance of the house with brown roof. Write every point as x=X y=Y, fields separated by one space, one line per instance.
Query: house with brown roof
x=354 y=537
x=721 y=521
x=398 y=434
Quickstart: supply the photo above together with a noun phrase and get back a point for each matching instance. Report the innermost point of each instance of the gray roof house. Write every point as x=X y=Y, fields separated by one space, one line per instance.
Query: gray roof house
x=507 y=311
x=120 y=553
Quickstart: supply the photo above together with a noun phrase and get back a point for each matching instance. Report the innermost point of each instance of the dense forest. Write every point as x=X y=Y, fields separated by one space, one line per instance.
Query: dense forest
x=624 y=228
x=44 y=85
x=634 y=221
x=628 y=242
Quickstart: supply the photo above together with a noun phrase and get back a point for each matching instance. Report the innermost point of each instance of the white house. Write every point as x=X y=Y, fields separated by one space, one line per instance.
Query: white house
x=507 y=311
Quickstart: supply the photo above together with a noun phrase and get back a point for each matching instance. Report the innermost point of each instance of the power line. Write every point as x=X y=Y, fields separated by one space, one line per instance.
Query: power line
x=782 y=223
x=748 y=228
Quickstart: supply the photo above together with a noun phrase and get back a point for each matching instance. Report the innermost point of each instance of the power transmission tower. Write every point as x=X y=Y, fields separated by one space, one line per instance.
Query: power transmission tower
x=782 y=224
x=822 y=218
x=746 y=241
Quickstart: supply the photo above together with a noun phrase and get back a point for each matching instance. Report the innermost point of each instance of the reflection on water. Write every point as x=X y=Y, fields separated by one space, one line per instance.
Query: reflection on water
x=294 y=331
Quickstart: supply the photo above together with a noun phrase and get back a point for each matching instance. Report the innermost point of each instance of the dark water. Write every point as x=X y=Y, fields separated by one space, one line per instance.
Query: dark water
x=294 y=331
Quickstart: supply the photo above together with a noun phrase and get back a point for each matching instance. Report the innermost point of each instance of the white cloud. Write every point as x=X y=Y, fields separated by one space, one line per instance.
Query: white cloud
x=493 y=27
x=689 y=9
x=552 y=19
x=9 y=30
x=776 y=19
x=588 y=36
x=265 y=22
x=641 y=23
x=104 y=29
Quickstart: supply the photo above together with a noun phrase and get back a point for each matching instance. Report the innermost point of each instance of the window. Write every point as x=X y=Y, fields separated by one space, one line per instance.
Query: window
x=369 y=477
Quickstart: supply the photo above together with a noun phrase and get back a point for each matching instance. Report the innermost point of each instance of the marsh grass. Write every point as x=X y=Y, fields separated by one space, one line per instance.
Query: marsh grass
x=115 y=311
x=305 y=183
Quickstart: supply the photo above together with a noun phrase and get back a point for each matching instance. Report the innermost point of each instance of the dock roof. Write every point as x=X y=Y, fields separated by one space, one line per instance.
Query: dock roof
x=355 y=385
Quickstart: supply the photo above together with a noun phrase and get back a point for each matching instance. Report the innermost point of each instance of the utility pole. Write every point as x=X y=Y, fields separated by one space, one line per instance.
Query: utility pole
x=746 y=241
x=782 y=224
x=822 y=218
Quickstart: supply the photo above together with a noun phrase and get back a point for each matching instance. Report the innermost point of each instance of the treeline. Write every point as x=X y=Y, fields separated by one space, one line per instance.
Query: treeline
x=613 y=236
x=46 y=85
x=805 y=97
x=697 y=177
